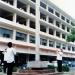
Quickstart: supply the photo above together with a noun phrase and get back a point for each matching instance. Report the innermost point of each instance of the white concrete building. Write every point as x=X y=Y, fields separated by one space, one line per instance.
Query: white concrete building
x=37 y=29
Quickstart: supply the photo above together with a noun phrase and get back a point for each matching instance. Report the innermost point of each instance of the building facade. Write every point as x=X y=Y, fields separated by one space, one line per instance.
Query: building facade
x=37 y=28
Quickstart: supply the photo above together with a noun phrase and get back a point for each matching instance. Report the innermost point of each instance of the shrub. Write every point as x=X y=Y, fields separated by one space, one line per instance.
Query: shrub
x=51 y=67
x=65 y=68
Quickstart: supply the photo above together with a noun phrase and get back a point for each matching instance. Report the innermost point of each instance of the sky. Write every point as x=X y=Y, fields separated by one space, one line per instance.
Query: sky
x=66 y=5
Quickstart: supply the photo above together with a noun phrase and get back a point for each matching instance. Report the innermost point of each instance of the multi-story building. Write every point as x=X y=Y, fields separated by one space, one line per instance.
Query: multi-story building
x=37 y=28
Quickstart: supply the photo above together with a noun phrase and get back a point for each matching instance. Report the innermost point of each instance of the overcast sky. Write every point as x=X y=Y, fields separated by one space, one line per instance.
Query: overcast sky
x=67 y=5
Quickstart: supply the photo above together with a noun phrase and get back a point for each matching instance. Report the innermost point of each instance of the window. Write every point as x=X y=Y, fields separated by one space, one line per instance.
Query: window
x=73 y=48
x=22 y=6
x=42 y=28
x=72 y=24
x=6 y=15
x=6 y=33
x=43 y=5
x=32 y=38
x=43 y=41
x=57 y=34
x=21 y=20
x=69 y=48
x=63 y=46
x=57 y=14
x=8 y=1
x=57 y=24
x=32 y=10
x=33 y=0
x=32 y=24
x=50 y=20
x=51 y=31
x=63 y=36
x=21 y=36
x=67 y=20
x=62 y=17
x=58 y=45
x=42 y=16
x=63 y=26
x=51 y=43
x=50 y=9
x=68 y=29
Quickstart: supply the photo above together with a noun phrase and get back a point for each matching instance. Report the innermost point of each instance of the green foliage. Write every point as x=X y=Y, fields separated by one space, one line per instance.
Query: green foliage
x=51 y=67
x=65 y=68
x=71 y=36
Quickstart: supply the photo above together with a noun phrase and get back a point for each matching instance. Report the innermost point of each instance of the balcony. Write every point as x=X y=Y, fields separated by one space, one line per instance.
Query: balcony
x=6 y=15
x=21 y=6
x=8 y=1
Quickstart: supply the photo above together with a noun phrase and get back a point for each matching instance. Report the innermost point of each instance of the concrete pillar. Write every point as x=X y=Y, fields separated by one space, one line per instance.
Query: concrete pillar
x=15 y=3
x=14 y=17
x=28 y=8
x=60 y=35
x=47 y=30
x=37 y=57
x=54 y=32
x=27 y=38
x=14 y=34
x=28 y=22
x=47 y=18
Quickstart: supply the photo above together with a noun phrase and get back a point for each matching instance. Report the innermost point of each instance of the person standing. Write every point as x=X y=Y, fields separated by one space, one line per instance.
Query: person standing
x=59 y=60
x=9 y=55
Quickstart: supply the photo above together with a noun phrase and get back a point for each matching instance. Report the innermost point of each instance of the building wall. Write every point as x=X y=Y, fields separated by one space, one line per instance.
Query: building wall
x=38 y=27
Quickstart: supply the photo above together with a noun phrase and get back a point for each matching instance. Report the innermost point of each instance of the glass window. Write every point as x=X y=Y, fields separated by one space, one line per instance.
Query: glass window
x=67 y=20
x=57 y=34
x=42 y=28
x=32 y=24
x=72 y=24
x=21 y=36
x=51 y=31
x=33 y=0
x=57 y=14
x=63 y=36
x=51 y=43
x=6 y=33
x=32 y=11
x=63 y=46
x=43 y=5
x=43 y=41
x=69 y=48
x=42 y=16
x=57 y=24
x=63 y=26
x=51 y=20
x=73 y=48
x=62 y=17
x=68 y=29
x=50 y=9
x=58 y=45
x=32 y=38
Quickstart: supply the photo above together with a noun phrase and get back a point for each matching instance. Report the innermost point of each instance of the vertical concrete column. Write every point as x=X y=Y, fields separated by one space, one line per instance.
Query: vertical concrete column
x=54 y=22
x=47 y=18
x=28 y=8
x=15 y=3
x=60 y=35
x=55 y=44
x=54 y=32
x=28 y=22
x=14 y=34
x=14 y=15
x=37 y=56
x=27 y=38
x=47 y=30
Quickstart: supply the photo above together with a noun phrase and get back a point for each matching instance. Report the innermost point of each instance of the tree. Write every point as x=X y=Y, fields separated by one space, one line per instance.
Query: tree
x=71 y=36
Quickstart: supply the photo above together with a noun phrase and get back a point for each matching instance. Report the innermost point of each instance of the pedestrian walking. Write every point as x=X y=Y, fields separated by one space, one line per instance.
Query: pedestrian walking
x=59 y=60
x=9 y=58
